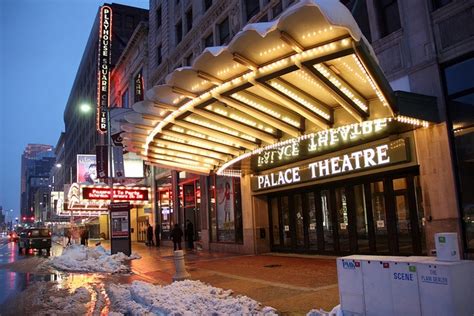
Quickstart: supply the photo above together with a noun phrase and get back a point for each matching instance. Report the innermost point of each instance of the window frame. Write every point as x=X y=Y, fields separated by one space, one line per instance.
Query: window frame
x=225 y=40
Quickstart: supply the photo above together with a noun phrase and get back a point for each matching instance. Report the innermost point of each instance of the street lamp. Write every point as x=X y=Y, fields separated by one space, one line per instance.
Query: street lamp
x=85 y=107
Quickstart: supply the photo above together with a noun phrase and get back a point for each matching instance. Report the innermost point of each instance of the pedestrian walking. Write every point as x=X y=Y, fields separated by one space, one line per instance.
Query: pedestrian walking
x=149 y=235
x=190 y=234
x=176 y=235
x=86 y=236
x=68 y=235
x=83 y=236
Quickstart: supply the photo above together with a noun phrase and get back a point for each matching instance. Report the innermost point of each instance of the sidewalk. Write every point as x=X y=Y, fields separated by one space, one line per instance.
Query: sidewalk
x=293 y=284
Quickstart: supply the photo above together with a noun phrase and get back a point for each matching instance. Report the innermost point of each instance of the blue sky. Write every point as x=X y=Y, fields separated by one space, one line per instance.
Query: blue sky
x=41 y=45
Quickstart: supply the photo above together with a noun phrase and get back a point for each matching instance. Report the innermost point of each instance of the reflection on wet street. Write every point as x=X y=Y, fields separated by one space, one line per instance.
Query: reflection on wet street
x=29 y=286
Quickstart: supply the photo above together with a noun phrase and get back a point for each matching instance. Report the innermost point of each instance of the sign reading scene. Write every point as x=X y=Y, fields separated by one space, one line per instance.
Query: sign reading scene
x=350 y=161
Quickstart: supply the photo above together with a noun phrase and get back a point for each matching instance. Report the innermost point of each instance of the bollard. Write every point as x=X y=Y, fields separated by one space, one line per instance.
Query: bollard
x=181 y=273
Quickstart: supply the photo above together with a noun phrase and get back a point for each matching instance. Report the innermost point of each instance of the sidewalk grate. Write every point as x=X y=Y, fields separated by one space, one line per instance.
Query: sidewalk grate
x=272 y=266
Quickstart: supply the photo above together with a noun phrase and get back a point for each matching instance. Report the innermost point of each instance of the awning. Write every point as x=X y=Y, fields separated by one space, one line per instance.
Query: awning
x=309 y=70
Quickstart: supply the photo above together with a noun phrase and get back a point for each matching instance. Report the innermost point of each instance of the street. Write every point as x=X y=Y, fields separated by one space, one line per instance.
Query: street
x=30 y=286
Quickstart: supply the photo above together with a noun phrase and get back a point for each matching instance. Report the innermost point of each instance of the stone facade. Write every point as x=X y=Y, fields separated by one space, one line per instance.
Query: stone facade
x=412 y=58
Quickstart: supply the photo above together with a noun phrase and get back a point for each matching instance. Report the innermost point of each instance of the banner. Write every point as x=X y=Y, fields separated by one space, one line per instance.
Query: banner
x=102 y=161
x=138 y=87
x=86 y=169
x=119 y=171
x=225 y=208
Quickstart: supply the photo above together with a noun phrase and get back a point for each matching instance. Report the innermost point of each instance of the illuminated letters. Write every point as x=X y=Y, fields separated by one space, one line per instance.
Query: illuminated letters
x=351 y=161
x=320 y=142
x=103 y=67
x=283 y=177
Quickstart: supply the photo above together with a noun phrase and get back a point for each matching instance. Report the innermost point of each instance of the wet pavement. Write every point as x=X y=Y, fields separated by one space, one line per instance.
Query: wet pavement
x=292 y=284
x=15 y=281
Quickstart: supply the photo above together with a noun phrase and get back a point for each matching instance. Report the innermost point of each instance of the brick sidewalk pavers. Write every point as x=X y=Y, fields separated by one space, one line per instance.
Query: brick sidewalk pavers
x=292 y=284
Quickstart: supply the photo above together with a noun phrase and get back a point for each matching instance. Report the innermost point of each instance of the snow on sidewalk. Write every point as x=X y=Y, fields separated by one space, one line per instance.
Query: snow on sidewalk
x=79 y=258
x=181 y=298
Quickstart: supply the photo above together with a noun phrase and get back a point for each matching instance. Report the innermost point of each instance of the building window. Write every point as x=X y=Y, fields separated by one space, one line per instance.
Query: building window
x=440 y=3
x=459 y=86
x=224 y=32
x=277 y=9
x=159 y=55
x=125 y=99
x=179 y=32
x=252 y=7
x=209 y=41
x=188 y=60
x=207 y=4
x=158 y=17
x=388 y=17
x=359 y=12
x=189 y=19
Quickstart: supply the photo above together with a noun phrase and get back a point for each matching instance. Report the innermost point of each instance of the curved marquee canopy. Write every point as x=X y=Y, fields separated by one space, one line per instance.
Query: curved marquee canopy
x=307 y=71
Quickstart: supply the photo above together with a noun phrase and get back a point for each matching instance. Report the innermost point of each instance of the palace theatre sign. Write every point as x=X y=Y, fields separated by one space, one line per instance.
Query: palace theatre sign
x=379 y=154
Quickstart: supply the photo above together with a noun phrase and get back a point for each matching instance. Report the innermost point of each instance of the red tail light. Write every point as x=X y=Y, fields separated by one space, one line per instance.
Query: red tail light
x=49 y=233
x=29 y=234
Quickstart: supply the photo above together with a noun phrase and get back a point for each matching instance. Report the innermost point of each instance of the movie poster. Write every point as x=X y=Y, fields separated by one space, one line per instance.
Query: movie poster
x=86 y=169
x=225 y=208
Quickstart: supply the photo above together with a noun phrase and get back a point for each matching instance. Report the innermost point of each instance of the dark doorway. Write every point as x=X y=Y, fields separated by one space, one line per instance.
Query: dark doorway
x=371 y=215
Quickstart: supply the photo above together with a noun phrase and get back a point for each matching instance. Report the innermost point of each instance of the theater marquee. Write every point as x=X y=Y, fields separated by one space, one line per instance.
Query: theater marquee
x=350 y=161
x=120 y=194
x=322 y=142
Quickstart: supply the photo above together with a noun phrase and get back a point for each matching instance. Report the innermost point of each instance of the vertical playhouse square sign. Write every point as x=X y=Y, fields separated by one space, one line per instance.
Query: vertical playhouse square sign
x=103 y=75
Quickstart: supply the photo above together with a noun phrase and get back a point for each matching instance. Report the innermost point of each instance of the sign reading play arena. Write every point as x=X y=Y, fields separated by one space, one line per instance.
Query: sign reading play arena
x=120 y=194
x=358 y=160
x=103 y=64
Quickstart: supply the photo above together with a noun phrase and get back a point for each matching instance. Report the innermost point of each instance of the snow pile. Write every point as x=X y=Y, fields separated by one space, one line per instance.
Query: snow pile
x=181 y=298
x=336 y=311
x=84 y=259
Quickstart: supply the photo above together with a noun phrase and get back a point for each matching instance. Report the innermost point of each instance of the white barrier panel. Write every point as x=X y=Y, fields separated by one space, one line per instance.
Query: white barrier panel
x=446 y=288
x=447 y=247
x=351 y=291
x=377 y=286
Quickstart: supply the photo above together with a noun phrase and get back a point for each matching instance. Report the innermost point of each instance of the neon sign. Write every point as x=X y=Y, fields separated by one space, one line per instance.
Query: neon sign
x=119 y=194
x=103 y=70
x=377 y=156
x=319 y=143
x=138 y=87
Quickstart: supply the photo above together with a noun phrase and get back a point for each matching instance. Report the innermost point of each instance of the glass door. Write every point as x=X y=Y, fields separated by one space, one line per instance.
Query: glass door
x=312 y=223
x=380 y=217
x=299 y=221
x=327 y=222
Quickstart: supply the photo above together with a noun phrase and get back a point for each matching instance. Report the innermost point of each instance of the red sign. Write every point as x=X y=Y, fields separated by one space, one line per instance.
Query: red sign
x=120 y=194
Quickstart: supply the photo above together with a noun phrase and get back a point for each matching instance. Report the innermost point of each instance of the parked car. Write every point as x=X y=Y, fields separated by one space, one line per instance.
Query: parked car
x=35 y=238
x=13 y=236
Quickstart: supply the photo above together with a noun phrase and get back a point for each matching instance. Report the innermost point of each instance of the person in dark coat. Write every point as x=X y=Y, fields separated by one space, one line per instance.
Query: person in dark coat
x=190 y=234
x=157 y=234
x=176 y=235
x=149 y=235
x=68 y=235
